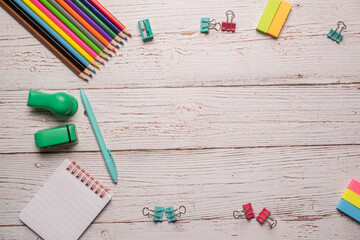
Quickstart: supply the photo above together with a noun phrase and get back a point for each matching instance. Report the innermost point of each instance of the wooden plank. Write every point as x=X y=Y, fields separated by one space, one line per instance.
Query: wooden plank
x=173 y=118
x=180 y=56
x=300 y=185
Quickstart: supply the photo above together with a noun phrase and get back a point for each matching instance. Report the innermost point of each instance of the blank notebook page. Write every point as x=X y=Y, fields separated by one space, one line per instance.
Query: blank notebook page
x=65 y=206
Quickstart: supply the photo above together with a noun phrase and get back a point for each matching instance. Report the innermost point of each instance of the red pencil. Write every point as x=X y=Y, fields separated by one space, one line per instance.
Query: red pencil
x=102 y=9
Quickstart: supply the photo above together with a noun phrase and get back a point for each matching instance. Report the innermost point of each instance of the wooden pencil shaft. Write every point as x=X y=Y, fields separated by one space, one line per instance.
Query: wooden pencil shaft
x=77 y=24
x=95 y=18
x=100 y=15
x=72 y=26
x=63 y=34
x=69 y=33
x=110 y=16
x=50 y=31
x=87 y=25
x=42 y=36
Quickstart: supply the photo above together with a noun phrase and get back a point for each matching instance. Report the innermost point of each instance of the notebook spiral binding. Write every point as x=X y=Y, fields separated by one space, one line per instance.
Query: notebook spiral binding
x=86 y=175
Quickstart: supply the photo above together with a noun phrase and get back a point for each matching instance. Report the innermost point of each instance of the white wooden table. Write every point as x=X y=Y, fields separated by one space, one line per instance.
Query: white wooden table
x=207 y=121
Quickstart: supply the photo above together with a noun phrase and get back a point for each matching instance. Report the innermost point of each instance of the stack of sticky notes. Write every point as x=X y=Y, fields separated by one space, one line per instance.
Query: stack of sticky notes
x=350 y=201
x=274 y=17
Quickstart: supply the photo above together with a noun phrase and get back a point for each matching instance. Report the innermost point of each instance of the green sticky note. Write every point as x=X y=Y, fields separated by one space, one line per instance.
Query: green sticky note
x=268 y=16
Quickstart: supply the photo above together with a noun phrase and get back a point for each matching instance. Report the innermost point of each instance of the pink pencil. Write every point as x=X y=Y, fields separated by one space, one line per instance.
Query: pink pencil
x=68 y=31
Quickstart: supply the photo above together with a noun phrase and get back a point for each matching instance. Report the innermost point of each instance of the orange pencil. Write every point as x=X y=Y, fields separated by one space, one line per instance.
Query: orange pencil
x=87 y=25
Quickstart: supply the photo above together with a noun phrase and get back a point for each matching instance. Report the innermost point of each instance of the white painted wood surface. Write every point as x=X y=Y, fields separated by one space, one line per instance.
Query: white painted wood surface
x=208 y=121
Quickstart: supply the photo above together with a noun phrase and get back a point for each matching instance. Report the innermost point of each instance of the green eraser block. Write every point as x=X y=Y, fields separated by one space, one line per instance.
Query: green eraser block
x=268 y=16
x=56 y=136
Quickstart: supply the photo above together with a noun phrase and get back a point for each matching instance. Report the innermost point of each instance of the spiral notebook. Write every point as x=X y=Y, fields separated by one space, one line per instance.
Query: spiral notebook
x=67 y=204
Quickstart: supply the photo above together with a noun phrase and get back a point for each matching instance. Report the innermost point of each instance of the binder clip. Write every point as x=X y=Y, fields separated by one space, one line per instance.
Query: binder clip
x=337 y=36
x=206 y=24
x=171 y=213
x=156 y=214
x=264 y=216
x=229 y=26
x=145 y=30
x=247 y=212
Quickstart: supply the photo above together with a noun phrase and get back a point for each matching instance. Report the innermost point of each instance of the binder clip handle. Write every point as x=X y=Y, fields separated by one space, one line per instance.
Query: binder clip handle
x=182 y=211
x=338 y=26
x=272 y=222
x=213 y=25
x=239 y=214
x=148 y=214
x=229 y=14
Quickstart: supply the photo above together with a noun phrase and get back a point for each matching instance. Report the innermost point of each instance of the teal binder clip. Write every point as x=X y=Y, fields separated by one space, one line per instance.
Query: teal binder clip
x=171 y=214
x=145 y=30
x=157 y=213
x=334 y=34
x=206 y=25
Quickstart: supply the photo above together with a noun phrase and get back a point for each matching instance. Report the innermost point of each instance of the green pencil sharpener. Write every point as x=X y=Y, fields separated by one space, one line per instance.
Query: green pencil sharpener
x=145 y=29
x=60 y=103
x=56 y=136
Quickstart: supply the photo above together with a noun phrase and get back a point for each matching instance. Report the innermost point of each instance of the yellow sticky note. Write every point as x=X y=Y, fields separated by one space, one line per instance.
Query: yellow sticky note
x=279 y=19
x=351 y=197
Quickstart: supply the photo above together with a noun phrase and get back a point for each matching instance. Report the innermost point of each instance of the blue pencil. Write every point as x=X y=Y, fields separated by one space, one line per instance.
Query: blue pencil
x=55 y=35
x=104 y=18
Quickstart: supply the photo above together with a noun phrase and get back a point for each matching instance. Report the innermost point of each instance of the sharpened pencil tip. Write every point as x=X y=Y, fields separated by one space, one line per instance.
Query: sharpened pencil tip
x=91 y=75
x=110 y=55
x=114 y=50
x=130 y=35
x=106 y=59
x=122 y=43
x=94 y=71
x=126 y=38
x=117 y=46
x=98 y=66
x=102 y=62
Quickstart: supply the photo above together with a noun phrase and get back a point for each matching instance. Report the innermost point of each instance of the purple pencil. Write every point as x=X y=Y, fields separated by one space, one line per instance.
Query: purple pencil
x=91 y=21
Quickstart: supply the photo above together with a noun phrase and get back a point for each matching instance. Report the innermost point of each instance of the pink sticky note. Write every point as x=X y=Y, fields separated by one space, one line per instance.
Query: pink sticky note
x=354 y=186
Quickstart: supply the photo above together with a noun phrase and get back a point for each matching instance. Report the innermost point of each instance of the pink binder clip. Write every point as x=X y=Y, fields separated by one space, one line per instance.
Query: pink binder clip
x=247 y=212
x=229 y=25
x=264 y=216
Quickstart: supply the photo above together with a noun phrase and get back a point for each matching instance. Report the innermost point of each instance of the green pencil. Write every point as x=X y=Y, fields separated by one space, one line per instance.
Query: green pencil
x=76 y=30
x=97 y=20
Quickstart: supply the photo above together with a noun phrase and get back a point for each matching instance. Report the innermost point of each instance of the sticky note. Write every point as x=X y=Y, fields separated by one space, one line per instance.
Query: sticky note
x=268 y=16
x=279 y=19
x=351 y=197
x=349 y=209
x=354 y=186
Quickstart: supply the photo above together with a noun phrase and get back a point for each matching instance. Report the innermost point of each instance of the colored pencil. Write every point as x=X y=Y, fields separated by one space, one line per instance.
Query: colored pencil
x=77 y=31
x=90 y=20
x=87 y=25
x=70 y=33
x=110 y=16
x=82 y=28
x=44 y=38
x=52 y=33
x=97 y=20
x=61 y=32
x=104 y=19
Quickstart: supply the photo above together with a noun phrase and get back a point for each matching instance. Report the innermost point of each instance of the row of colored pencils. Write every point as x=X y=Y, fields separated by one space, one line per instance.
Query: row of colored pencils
x=81 y=33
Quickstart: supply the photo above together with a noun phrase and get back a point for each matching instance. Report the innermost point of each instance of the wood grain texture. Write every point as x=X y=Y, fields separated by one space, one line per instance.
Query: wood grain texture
x=293 y=182
x=180 y=56
x=208 y=121
x=160 y=118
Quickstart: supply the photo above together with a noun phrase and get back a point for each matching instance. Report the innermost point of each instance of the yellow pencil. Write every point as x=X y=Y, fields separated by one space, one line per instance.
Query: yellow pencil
x=61 y=32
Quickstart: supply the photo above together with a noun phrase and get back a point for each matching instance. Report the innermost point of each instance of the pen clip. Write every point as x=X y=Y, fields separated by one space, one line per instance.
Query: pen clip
x=111 y=156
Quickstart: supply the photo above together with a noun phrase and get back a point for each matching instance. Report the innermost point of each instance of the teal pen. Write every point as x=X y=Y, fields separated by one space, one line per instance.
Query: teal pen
x=109 y=160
